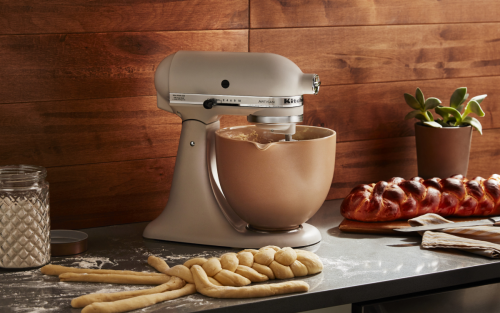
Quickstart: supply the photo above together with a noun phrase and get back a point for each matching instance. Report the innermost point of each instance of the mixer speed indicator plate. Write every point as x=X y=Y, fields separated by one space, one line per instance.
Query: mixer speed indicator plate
x=242 y=101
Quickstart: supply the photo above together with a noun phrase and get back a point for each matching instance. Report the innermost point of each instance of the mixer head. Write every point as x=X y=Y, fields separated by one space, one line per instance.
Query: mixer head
x=265 y=87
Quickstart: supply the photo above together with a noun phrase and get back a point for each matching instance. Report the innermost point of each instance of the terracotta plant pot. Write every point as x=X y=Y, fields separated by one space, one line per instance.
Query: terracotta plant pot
x=275 y=185
x=442 y=152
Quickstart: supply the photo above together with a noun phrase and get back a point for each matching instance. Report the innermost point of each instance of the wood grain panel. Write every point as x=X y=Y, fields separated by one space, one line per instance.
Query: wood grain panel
x=100 y=65
x=62 y=133
x=375 y=111
x=81 y=16
x=307 y=13
x=103 y=194
x=365 y=162
x=370 y=161
x=348 y=55
x=485 y=154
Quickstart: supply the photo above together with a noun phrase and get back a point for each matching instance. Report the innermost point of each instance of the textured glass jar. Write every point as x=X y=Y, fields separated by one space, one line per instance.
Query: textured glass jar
x=24 y=216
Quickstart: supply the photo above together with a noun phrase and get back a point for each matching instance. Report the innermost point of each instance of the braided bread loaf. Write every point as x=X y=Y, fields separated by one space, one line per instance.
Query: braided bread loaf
x=405 y=199
x=249 y=265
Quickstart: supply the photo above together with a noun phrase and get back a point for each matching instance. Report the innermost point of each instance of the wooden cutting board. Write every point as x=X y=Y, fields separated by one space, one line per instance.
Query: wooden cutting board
x=387 y=228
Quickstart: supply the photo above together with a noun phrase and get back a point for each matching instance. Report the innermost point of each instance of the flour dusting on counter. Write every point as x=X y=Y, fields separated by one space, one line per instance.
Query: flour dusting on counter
x=94 y=263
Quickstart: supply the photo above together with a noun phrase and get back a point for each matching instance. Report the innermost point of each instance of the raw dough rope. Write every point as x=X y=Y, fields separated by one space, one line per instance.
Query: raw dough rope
x=115 y=278
x=138 y=302
x=205 y=287
x=173 y=284
x=57 y=270
x=222 y=277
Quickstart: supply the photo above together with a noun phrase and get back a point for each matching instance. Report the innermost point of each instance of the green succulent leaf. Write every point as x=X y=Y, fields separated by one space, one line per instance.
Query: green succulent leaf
x=412 y=102
x=442 y=113
x=442 y=123
x=454 y=112
x=412 y=114
x=458 y=97
x=421 y=117
x=431 y=103
x=474 y=123
x=420 y=97
x=429 y=115
x=474 y=107
x=433 y=124
x=465 y=98
x=479 y=99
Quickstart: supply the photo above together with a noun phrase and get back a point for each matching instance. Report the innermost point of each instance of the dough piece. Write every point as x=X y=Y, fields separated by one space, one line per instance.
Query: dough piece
x=265 y=256
x=204 y=287
x=252 y=251
x=285 y=256
x=307 y=253
x=281 y=271
x=182 y=272
x=263 y=270
x=213 y=281
x=57 y=270
x=227 y=278
x=229 y=261
x=158 y=264
x=197 y=261
x=298 y=269
x=138 y=302
x=212 y=267
x=312 y=262
x=245 y=258
x=115 y=278
x=173 y=284
x=275 y=248
x=250 y=273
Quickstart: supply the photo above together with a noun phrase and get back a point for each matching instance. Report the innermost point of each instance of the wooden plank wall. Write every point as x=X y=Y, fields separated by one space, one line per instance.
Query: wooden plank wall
x=77 y=93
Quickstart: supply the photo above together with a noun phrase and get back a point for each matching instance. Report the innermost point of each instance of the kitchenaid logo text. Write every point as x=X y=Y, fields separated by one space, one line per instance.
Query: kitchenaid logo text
x=289 y=100
x=178 y=97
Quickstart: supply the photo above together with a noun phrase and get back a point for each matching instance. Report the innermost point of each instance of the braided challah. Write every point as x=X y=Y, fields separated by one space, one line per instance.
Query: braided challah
x=250 y=266
x=405 y=199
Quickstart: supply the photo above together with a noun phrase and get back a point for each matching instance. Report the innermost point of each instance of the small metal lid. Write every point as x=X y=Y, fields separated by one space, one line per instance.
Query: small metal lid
x=67 y=242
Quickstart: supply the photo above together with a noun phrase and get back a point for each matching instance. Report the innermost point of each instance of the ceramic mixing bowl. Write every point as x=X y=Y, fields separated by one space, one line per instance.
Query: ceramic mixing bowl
x=273 y=184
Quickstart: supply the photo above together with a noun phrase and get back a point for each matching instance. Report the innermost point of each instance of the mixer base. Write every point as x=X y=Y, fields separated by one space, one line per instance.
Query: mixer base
x=304 y=236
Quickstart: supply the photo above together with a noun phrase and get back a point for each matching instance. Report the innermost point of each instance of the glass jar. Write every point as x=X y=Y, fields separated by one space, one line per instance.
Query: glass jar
x=24 y=216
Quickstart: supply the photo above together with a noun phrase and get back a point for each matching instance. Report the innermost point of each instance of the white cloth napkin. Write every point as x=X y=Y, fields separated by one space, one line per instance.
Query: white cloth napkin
x=483 y=240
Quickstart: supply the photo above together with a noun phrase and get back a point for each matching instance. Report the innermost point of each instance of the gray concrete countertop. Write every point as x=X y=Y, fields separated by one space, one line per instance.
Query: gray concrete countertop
x=357 y=267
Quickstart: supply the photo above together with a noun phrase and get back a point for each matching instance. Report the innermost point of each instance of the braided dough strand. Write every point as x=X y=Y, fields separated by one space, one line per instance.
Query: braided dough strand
x=57 y=270
x=115 y=279
x=158 y=264
x=205 y=287
x=173 y=284
x=138 y=302
x=180 y=271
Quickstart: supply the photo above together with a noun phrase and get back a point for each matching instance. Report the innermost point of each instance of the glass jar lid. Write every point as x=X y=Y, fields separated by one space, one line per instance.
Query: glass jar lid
x=22 y=173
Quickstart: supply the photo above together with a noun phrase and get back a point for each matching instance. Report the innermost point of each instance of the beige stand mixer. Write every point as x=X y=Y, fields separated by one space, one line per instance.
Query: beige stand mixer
x=200 y=87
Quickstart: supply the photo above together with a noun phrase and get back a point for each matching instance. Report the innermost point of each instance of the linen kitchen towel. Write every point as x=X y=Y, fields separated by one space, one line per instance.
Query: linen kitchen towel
x=482 y=240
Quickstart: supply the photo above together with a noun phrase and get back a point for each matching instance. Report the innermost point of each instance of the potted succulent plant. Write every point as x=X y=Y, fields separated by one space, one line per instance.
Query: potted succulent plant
x=443 y=144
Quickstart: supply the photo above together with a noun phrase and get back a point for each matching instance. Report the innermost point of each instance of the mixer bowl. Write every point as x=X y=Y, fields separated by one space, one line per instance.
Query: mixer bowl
x=271 y=184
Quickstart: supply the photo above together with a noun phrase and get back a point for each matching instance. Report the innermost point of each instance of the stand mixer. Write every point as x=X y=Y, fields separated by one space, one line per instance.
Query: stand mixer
x=200 y=87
